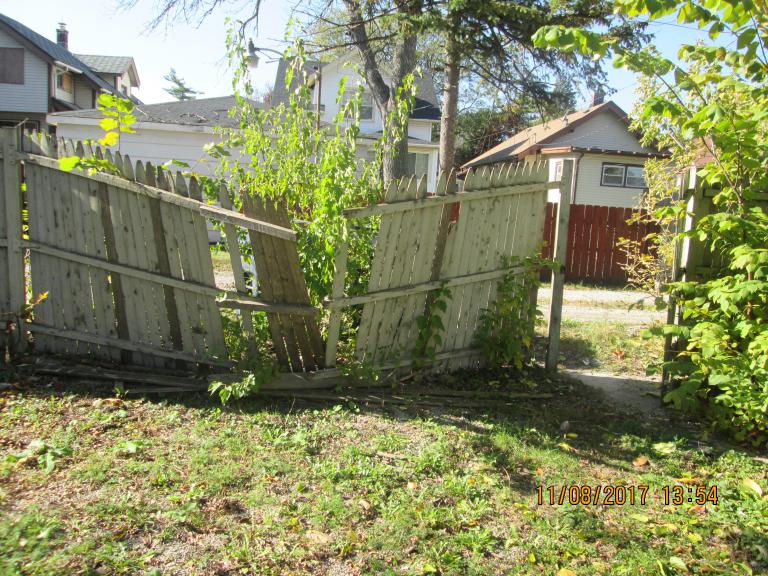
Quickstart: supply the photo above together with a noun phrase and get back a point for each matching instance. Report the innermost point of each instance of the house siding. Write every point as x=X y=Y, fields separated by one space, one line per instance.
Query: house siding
x=604 y=131
x=588 y=187
x=83 y=94
x=32 y=96
x=157 y=146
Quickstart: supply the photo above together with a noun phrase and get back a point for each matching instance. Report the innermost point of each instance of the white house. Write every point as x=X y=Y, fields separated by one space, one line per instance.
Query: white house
x=324 y=80
x=611 y=157
x=175 y=130
x=38 y=76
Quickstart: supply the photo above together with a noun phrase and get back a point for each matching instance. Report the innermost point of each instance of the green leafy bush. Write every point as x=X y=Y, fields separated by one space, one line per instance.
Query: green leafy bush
x=505 y=333
x=714 y=101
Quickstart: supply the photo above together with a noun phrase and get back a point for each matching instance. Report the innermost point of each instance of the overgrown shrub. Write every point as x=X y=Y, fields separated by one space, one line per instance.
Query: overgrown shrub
x=714 y=101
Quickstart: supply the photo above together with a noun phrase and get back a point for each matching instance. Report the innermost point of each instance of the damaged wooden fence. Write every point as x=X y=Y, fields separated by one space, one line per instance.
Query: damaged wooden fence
x=126 y=266
x=459 y=239
x=124 y=260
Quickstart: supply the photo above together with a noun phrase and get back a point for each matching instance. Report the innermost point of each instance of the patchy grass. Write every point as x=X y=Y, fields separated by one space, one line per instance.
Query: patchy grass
x=220 y=259
x=186 y=487
x=611 y=347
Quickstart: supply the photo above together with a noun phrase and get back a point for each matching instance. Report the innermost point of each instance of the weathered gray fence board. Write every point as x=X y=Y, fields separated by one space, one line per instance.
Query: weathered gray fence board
x=86 y=232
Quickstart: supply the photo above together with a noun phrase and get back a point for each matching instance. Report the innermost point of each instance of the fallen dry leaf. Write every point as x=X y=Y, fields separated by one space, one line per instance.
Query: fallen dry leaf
x=641 y=462
x=752 y=486
x=566 y=572
x=317 y=537
x=365 y=505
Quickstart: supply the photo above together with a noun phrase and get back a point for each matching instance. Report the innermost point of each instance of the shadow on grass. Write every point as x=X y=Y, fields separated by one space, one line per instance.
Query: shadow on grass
x=576 y=421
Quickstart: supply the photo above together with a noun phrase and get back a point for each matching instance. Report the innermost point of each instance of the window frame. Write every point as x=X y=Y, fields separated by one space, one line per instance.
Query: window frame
x=624 y=167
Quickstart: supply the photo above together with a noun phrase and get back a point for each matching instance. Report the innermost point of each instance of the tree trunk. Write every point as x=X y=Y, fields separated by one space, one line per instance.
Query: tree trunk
x=404 y=60
x=450 y=105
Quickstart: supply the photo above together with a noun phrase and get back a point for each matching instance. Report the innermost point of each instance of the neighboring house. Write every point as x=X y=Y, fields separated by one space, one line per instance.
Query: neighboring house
x=324 y=78
x=38 y=76
x=118 y=71
x=175 y=130
x=611 y=157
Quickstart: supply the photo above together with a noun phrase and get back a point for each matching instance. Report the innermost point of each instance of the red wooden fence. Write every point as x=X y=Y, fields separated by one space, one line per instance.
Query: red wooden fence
x=593 y=235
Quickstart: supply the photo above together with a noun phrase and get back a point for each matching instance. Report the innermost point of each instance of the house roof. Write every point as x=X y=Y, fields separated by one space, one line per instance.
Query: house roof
x=53 y=51
x=207 y=112
x=111 y=65
x=425 y=107
x=536 y=137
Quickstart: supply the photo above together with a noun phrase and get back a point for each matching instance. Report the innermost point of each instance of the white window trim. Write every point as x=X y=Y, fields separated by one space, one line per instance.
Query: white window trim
x=623 y=175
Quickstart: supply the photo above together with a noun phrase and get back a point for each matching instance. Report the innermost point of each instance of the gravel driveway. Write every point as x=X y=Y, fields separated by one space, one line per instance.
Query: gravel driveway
x=585 y=304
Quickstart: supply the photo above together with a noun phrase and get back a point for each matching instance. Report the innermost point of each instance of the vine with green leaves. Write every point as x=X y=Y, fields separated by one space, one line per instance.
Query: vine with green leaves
x=431 y=329
x=712 y=100
x=285 y=155
x=506 y=329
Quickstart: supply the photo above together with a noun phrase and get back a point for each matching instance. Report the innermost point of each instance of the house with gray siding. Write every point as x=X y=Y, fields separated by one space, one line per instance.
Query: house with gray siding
x=611 y=158
x=38 y=76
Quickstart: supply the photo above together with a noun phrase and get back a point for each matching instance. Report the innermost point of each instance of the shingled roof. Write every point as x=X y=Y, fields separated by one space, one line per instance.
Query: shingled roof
x=111 y=65
x=208 y=112
x=524 y=142
x=425 y=107
x=53 y=51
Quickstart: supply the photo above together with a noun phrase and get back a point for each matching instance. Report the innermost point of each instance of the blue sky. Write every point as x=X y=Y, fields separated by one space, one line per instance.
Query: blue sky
x=198 y=53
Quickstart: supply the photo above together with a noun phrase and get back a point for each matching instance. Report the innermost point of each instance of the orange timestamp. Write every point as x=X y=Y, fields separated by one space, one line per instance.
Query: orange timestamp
x=622 y=495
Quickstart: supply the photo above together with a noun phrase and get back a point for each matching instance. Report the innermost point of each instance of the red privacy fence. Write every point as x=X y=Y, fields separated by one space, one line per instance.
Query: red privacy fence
x=594 y=255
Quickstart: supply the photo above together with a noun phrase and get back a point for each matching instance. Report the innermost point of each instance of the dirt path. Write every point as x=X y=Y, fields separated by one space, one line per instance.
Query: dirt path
x=632 y=309
x=635 y=393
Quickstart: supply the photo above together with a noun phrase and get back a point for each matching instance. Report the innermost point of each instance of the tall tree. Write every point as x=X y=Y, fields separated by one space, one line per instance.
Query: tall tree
x=492 y=39
x=395 y=162
x=179 y=88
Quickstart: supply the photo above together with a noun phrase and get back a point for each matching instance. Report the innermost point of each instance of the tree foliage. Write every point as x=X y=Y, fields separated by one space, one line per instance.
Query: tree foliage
x=714 y=100
x=279 y=155
x=178 y=88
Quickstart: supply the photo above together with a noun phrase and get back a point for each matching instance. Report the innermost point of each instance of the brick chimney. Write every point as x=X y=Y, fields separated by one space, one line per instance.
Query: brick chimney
x=598 y=97
x=62 y=36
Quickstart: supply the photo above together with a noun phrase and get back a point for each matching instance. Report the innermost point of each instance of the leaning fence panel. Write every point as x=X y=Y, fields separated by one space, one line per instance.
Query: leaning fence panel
x=456 y=241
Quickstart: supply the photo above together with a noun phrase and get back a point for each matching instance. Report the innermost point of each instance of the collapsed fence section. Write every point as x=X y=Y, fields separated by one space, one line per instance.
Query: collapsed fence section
x=459 y=242
x=124 y=260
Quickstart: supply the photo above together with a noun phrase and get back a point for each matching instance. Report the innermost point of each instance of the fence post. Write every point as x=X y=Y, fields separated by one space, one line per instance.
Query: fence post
x=10 y=137
x=334 y=322
x=559 y=253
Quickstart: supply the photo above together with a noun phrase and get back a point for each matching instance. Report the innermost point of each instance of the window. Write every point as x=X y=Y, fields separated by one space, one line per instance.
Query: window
x=11 y=65
x=558 y=170
x=366 y=103
x=418 y=164
x=635 y=177
x=623 y=175
x=366 y=106
x=64 y=81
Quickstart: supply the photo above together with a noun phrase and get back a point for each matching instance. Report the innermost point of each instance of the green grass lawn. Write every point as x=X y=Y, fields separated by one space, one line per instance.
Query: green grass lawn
x=182 y=486
x=220 y=259
x=606 y=346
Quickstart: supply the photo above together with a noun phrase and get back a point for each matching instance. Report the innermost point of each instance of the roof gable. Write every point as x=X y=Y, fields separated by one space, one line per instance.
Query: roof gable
x=111 y=65
x=52 y=51
x=425 y=106
x=552 y=132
